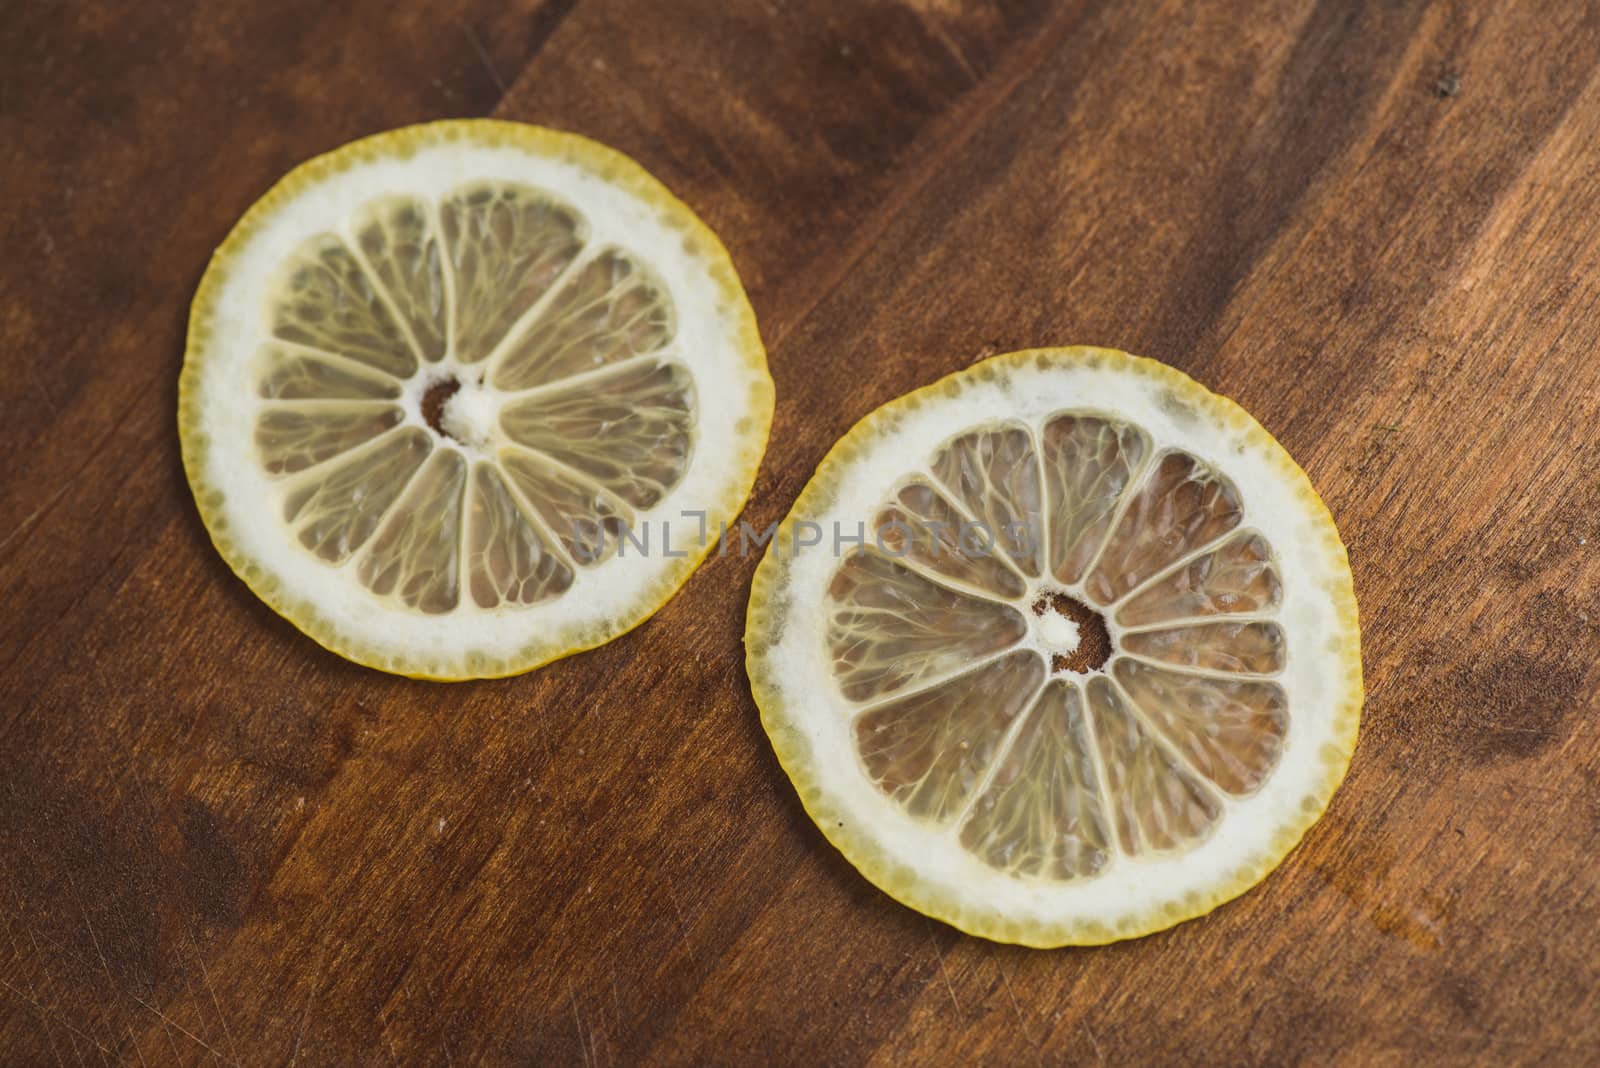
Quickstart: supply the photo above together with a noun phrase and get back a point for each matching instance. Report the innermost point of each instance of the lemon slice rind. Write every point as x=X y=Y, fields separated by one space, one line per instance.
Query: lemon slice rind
x=922 y=866
x=716 y=334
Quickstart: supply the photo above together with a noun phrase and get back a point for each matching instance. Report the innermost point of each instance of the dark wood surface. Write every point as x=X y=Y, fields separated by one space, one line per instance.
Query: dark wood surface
x=1375 y=225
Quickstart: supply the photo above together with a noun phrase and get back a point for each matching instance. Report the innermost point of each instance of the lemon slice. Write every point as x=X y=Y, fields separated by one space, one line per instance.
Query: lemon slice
x=462 y=398
x=1060 y=649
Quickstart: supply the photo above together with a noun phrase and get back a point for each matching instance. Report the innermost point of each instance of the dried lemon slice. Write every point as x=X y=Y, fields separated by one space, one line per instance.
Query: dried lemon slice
x=436 y=377
x=1060 y=649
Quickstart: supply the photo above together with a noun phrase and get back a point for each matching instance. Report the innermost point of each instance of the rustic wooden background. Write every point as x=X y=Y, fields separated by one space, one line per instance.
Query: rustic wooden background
x=1376 y=225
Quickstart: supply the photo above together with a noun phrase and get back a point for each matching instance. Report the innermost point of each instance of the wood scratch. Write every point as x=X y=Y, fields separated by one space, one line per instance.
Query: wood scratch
x=483 y=57
x=936 y=27
x=33 y=996
x=22 y=528
x=405 y=988
x=38 y=384
x=77 y=1054
x=94 y=453
x=683 y=926
x=444 y=1039
x=943 y=974
x=383 y=1029
x=577 y=1020
x=205 y=980
x=311 y=997
x=1093 y=1042
x=616 y=1004
x=134 y=1041
x=44 y=968
x=1005 y=980
x=59 y=1018
x=188 y=987
x=106 y=966
x=182 y=1030
x=1022 y=1025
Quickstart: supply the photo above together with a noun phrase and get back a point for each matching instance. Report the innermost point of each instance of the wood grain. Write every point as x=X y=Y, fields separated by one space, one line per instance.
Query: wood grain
x=1372 y=224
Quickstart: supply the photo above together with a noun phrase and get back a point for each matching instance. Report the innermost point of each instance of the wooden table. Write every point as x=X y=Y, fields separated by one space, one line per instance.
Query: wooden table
x=1376 y=225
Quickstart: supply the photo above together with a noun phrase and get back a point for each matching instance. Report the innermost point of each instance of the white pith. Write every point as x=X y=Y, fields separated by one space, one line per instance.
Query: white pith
x=798 y=666
x=472 y=416
x=1056 y=632
x=707 y=341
